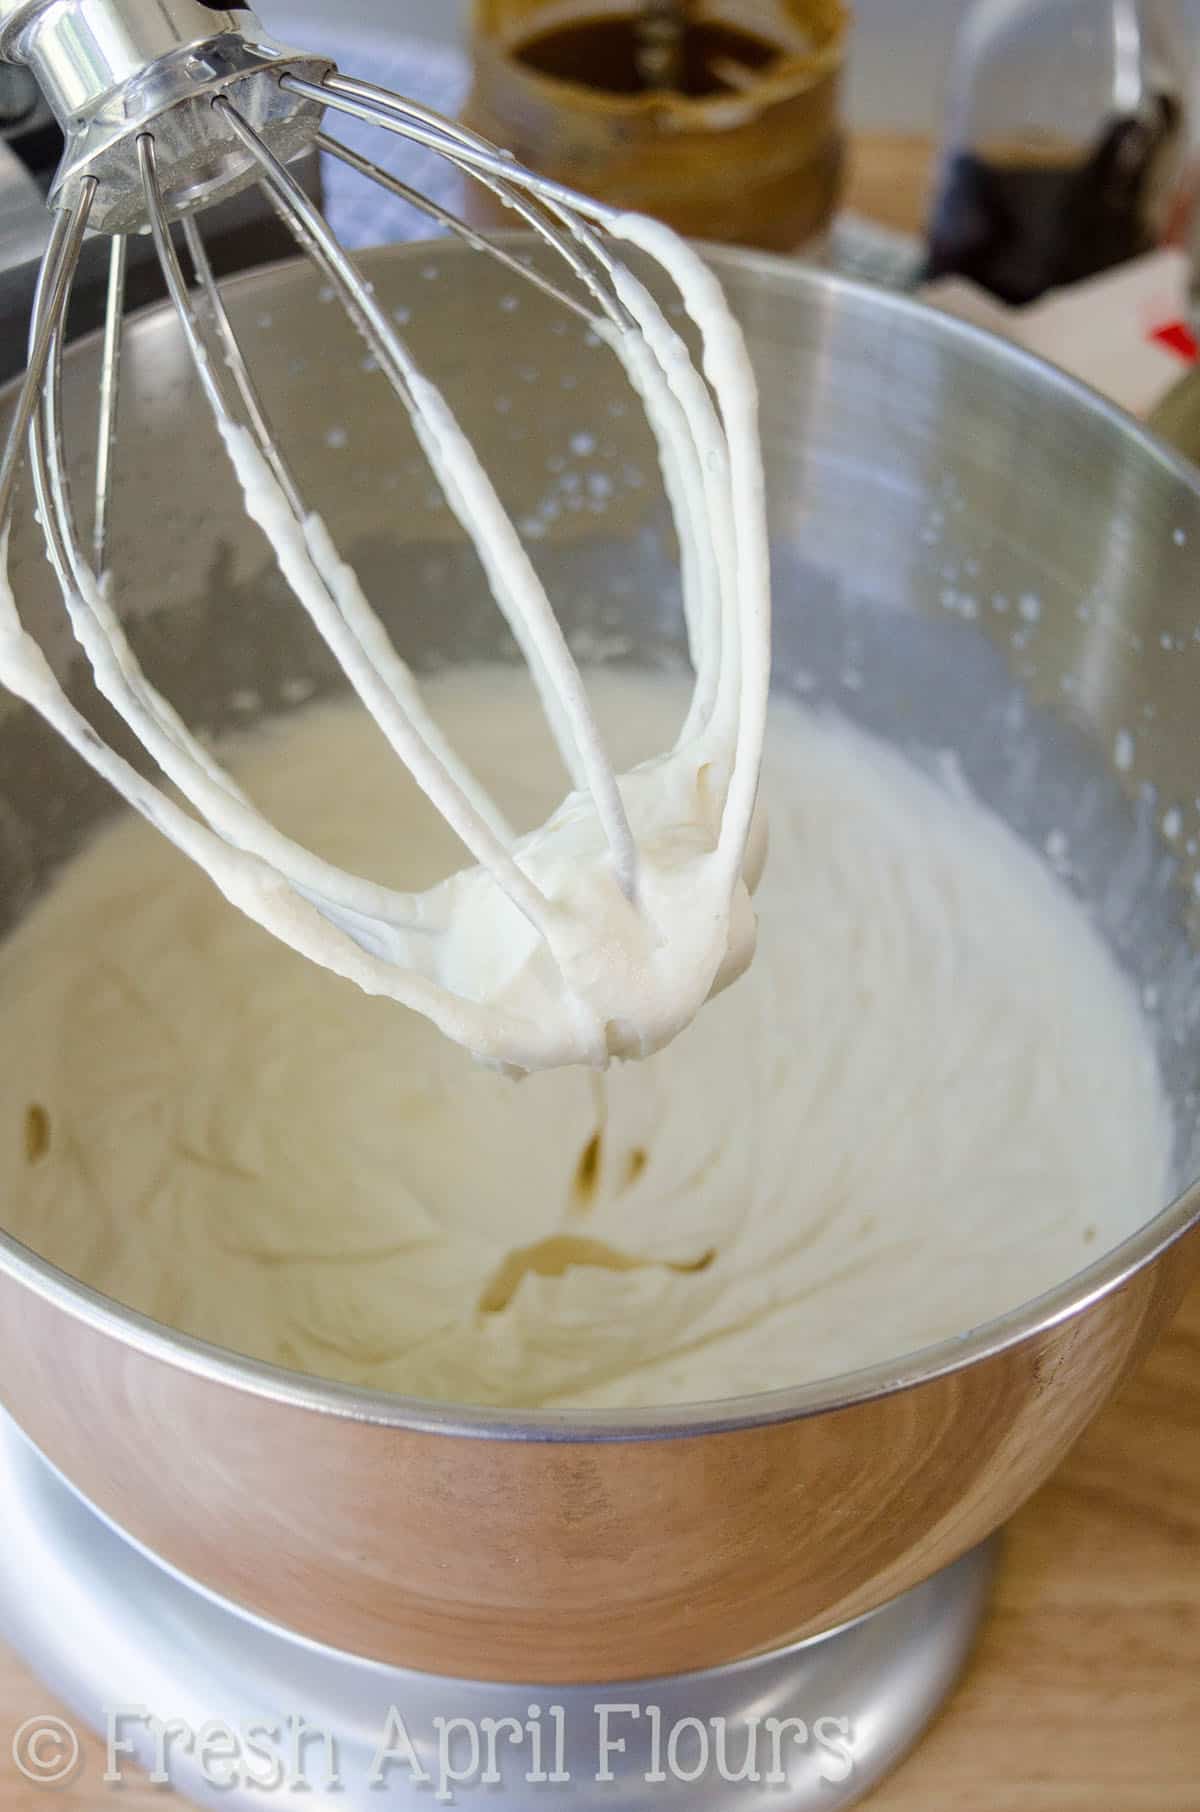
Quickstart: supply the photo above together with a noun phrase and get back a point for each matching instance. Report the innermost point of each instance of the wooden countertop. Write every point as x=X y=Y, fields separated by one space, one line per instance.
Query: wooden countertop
x=1084 y=1695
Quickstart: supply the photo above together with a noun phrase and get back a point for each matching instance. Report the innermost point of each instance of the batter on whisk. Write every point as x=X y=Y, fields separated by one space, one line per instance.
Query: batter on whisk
x=602 y=932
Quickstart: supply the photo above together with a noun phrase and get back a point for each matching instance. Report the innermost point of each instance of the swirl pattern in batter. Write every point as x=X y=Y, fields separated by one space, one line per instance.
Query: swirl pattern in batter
x=932 y=1097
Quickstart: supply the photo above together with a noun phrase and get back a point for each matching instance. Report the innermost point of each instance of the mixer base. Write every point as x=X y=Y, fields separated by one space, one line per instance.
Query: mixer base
x=149 y=1660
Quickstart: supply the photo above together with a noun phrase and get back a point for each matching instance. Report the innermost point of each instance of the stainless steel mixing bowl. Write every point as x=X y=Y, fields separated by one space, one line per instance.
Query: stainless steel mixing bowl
x=973 y=555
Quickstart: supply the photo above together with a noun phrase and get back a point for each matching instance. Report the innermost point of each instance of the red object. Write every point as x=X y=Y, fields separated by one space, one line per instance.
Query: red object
x=1178 y=337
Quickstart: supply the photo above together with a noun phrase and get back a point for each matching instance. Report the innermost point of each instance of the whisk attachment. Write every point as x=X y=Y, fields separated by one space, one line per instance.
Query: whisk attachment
x=115 y=70
x=599 y=934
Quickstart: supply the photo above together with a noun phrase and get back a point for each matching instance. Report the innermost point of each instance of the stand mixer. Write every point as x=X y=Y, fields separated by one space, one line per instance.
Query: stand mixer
x=216 y=1539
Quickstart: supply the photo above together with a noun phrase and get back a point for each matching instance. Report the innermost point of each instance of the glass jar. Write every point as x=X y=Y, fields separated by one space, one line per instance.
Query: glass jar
x=725 y=124
x=1066 y=137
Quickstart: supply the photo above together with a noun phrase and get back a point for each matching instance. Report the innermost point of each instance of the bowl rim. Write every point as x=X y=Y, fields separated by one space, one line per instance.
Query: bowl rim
x=1030 y=1321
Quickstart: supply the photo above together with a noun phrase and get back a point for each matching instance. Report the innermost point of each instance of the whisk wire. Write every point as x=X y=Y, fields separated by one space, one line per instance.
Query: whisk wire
x=94 y=623
x=423 y=126
x=709 y=588
x=745 y=544
x=110 y=391
x=54 y=284
x=433 y=210
x=709 y=592
x=709 y=598
x=672 y=392
x=472 y=496
x=239 y=370
x=339 y=577
x=476 y=158
x=310 y=585
x=120 y=679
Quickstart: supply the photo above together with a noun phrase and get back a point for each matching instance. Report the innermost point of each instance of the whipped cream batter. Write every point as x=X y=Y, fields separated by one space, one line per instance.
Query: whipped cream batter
x=931 y=1097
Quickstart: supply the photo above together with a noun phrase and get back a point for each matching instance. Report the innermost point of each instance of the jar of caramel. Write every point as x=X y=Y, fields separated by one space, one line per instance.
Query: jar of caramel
x=720 y=117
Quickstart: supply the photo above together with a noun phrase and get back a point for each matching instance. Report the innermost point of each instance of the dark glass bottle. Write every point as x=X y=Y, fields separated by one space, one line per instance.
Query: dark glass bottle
x=1066 y=141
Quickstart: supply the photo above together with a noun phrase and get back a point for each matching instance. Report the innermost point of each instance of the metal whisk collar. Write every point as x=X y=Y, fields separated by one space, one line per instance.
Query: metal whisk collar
x=170 y=108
